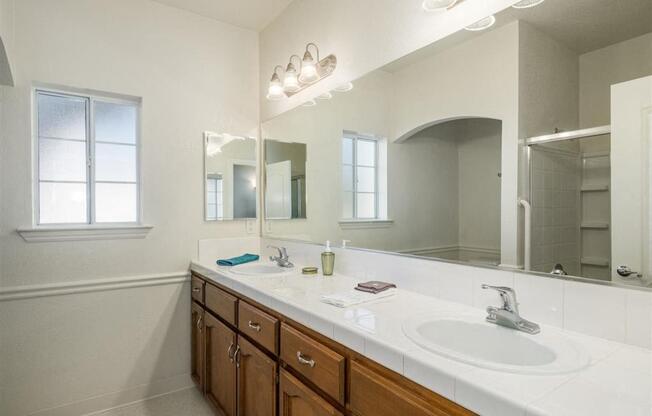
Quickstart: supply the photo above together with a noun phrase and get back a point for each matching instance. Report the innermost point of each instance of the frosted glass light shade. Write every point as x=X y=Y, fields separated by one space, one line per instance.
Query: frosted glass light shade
x=291 y=82
x=275 y=90
x=308 y=69
x=482 y=24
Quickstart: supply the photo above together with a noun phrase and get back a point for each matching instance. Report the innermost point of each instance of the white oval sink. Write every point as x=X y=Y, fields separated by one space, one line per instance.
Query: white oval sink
x=473 y=341
x=259 y=269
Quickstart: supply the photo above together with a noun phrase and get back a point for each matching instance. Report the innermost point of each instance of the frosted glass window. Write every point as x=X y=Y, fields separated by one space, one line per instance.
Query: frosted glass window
x=115 y=162
x=62 y=117
x=116 y=202
x=366 y=205
x=63 y=203
x=62 y=160
x=70 y=152
x=115 y=123
x=359 y=177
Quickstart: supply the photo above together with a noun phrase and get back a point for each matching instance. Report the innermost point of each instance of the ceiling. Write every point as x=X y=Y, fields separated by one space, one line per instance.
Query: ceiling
x=581 y=25
x=250 y=14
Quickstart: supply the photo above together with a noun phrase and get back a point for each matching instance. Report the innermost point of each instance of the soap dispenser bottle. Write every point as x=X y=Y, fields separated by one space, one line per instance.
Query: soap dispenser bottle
x=327 y=260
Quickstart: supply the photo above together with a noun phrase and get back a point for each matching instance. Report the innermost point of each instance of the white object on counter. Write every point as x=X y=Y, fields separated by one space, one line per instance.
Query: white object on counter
x=354 y=297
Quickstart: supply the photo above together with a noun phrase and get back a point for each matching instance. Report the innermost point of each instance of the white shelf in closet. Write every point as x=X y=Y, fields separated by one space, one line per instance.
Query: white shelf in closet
x=595 y=188
x=595 y=225
x=594 y=261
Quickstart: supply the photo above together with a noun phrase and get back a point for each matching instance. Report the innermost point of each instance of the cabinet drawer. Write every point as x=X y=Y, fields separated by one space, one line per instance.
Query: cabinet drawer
x=197 y=289
x=221 y=303
x=374 y=395
x=298 y=400
x=259 y=326
x=318 y=363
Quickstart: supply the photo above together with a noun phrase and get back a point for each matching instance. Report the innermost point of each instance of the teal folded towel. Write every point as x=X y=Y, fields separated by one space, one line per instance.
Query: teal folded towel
x=245 y=258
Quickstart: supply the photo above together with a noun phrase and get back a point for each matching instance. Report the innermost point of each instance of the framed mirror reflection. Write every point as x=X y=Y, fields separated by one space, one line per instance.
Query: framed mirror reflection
x=471 y=150
x=230 y=175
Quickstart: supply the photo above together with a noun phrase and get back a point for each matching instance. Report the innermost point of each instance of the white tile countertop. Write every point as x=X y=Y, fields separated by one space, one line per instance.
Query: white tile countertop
x=618 y=381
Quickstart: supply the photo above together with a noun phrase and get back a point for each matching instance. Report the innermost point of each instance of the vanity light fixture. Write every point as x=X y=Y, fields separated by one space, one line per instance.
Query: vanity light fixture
x=525 y=4
x=275 y=90
x=300 y=73
x=346 y=87
x=482 y=24
x=437 y=5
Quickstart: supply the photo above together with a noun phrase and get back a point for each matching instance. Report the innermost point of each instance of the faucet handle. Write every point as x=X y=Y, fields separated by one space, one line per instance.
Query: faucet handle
x=280 y=250
x=507 y=294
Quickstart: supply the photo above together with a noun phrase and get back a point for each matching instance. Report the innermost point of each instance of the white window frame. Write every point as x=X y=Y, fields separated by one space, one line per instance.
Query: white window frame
x=356 y=138
x=90 y=230
x=219 y=200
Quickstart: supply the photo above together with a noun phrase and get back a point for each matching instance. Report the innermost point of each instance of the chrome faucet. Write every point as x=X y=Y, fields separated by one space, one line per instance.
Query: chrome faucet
x=508 y=315
x=282 y=260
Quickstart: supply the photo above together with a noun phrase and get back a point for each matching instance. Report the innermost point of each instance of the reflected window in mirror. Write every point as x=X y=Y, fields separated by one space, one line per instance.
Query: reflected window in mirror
x=362 y=177
x=285 y=183
x=230 y=177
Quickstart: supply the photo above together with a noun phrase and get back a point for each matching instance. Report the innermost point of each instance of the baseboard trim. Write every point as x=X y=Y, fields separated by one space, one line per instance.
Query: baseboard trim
x=102 y=403
x=97 y=285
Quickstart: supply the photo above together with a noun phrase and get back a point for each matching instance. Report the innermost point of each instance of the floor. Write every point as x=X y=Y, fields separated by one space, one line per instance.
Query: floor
x=187 y=402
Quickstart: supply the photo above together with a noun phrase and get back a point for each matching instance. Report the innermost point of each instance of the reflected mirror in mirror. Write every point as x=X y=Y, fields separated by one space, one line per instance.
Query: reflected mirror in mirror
x=285 y=180
x=229 y=177
x=476 y=149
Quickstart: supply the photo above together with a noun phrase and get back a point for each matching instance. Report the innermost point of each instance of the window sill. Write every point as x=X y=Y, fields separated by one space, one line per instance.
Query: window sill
x=40 y=234
x=365 y=224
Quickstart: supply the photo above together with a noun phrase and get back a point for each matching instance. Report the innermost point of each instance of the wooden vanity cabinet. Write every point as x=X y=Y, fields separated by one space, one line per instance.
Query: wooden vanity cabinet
x=197 y=345
x=252 y=361
x=256 y=381
x=298 y=400
x=220 y=379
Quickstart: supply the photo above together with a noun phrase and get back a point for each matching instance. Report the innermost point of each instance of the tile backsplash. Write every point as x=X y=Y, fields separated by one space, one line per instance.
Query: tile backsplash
x=614 y=313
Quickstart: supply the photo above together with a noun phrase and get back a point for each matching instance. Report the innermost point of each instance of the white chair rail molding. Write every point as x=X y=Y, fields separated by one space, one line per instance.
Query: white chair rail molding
x=325 y=208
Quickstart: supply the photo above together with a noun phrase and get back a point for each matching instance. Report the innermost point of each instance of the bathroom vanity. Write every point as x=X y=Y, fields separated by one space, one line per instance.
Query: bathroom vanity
x=249 y=359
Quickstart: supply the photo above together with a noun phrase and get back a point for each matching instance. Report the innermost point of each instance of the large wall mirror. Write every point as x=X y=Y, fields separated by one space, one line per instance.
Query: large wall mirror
x=522 y=146
x=229 y=177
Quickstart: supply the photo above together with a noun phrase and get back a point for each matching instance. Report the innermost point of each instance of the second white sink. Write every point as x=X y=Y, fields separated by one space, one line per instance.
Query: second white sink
x=260 y=269
x=473 y=341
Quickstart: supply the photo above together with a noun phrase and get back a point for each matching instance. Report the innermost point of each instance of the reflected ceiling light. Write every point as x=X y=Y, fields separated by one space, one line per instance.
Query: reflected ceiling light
x=525 y=4
x=309 y=103
x=275 y=89
x=298 y=76
x=347 y=86
x=482 y=24
x=325 y=96
x=291 y=80
x=216 y=141
x=437 y=5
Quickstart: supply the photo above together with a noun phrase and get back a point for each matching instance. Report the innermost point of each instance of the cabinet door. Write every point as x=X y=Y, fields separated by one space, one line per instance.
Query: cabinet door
x=256 y=381
x=197 y=345
x=220 y=379
x=298 y=400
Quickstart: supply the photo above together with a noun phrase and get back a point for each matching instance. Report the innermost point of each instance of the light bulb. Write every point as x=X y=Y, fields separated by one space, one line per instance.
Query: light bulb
x=482 y=24
x=525 y=4
x=275 y=90
x=290 y=81
x=308 y=73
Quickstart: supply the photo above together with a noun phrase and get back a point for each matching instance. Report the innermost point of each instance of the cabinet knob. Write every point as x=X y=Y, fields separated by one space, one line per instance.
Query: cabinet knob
x=305 y=360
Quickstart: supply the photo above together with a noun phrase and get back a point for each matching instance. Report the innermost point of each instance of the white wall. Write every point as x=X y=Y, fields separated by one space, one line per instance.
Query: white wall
x=604 y=67
x=6 y=41
x=193 y=74
x=364 y=34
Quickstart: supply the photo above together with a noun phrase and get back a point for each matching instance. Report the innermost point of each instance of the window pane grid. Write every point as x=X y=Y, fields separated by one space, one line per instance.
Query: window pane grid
x=359 y=165
x=67 y=172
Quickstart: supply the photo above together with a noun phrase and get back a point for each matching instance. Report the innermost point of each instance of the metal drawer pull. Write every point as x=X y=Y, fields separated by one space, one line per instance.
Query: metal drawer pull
x=305 y=360
x=196 y=289
x=199 y=323
x=230 y=352
x=254 y=325
x=236 y=356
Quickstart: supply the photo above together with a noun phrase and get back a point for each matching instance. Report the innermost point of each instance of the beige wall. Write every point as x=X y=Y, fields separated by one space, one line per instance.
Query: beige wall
x=193 y=74
x=600 y=69
x=364 y=34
